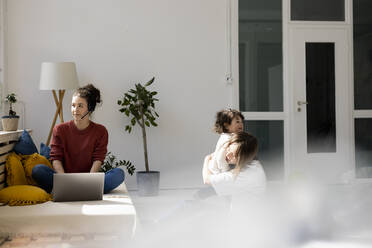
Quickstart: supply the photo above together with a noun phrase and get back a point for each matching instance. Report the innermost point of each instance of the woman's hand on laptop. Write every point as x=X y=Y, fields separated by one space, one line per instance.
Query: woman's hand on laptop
x=58 y=166
x=96 y=166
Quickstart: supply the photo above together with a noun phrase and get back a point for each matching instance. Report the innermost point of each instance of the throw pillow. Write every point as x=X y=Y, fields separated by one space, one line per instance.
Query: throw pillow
x=15 y=174
x=20 y=195
x=29 y=163
x=44 y=150
x=25 y=144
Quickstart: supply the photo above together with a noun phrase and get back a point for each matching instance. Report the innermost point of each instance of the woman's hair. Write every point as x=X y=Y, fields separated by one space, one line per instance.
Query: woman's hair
x=91 y=94
x=247 y=147
x=224 y=117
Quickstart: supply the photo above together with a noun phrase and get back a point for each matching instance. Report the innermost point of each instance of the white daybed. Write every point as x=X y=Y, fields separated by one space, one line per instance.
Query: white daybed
x=114 y=214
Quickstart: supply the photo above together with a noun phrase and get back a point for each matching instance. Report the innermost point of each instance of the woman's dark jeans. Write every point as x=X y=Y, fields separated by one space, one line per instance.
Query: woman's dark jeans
x=43 y=175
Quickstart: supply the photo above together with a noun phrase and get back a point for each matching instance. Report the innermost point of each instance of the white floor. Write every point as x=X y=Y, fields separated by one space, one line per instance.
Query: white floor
x=149 y=209
x=296 y=216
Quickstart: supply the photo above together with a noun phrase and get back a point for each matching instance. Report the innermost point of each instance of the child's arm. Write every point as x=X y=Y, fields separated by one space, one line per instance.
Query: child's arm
x=220 y=153
x=220 y=156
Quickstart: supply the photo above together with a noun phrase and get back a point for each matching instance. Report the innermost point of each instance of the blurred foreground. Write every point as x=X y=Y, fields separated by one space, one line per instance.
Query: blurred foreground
x=294 y=215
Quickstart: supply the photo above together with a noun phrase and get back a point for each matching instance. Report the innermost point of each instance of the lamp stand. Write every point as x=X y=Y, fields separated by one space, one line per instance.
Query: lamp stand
x=59 y=111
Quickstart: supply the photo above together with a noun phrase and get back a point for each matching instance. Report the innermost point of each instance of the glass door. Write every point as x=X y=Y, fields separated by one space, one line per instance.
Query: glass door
x=321 y=106
x=260 y=88
x=362 y=42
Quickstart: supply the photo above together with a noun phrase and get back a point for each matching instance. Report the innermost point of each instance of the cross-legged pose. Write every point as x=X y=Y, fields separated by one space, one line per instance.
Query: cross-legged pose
x=79 y=145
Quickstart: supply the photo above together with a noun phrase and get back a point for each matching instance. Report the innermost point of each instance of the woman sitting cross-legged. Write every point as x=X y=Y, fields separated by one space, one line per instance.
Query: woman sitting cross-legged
x=79 y=145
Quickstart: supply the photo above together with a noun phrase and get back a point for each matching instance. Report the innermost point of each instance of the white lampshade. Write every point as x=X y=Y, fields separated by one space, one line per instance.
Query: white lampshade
x=58 y=76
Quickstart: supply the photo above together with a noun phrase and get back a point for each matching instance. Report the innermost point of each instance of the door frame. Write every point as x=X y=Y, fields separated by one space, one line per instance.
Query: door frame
x=286 y=115
x=288 y=26
x=345 y=119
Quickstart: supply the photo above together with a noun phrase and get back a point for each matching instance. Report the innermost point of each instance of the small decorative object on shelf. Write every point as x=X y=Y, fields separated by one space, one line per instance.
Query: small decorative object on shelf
x=10 y=121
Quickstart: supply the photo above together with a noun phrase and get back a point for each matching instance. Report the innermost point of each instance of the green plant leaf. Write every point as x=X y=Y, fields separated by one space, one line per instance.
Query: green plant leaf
x=111 y=162
x=11 y=98
x=153 y=123
x=150 y=82
x=147 y=123
x=133 y=121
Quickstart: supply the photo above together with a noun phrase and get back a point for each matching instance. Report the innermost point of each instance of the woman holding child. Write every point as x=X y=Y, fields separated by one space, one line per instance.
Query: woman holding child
x=247 y=176
x=79 y=145
x=233 y=167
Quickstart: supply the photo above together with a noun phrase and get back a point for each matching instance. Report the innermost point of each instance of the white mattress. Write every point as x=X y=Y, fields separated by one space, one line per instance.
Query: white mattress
x=114 y=214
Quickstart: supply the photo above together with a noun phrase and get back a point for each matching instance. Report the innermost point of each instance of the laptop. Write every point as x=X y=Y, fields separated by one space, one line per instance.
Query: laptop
x=78 y=186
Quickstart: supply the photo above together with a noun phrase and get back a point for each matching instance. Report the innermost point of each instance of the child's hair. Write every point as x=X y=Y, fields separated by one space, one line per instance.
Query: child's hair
x=91 y=94
x=247 y=147
x=224 y=117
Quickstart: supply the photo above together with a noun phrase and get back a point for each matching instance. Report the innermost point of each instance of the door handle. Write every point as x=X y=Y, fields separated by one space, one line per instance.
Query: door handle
x=299 y=103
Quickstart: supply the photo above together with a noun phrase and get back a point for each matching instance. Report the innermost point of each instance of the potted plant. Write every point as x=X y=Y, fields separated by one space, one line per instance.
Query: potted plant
x=10 y=122
x=138 y=104
x=111 y=162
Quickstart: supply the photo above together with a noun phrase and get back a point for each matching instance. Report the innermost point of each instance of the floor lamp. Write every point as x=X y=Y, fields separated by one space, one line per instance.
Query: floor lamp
x=59 y=76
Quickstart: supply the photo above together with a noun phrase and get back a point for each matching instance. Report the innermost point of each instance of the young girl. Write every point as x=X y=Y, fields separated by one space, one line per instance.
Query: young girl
x=227 y=122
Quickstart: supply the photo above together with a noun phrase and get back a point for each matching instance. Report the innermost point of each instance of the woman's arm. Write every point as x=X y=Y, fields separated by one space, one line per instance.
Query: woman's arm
x=206 y=171
x=96 y=166
x=100 y=148
x=207 y=178
x=58 y=166
x=57 y=151
x=227 y=176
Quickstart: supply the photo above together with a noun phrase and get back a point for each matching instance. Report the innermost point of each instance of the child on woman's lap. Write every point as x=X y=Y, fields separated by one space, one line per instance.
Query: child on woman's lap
x=246 y=176
x=227 y=122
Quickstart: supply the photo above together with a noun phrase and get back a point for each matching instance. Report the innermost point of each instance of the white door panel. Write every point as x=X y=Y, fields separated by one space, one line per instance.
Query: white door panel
x=327 y=157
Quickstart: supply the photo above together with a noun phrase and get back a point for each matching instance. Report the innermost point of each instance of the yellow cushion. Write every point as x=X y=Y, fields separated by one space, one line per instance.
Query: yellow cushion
x=29 y=162
x=15 y=174
x=20 y=195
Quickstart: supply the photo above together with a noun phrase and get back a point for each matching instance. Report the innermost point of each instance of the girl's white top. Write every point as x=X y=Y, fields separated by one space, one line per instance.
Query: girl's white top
x=218 y=163
x=251 y=179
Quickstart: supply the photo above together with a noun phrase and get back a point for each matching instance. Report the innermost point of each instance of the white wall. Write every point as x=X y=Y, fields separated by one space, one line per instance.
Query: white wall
x=116 y=43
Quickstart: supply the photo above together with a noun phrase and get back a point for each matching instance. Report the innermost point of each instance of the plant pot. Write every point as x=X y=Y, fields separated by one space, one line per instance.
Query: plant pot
x=10 y=123
x=148 y=183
